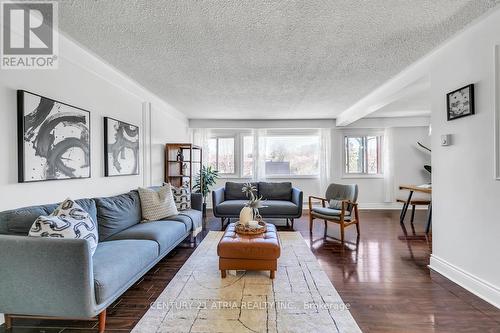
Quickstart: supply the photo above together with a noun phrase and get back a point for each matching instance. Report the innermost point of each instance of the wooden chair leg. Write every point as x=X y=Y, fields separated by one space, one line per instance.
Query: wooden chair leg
x=356 y=216
x=292 y=222
x=310 y=222
x=272 y=274
x=102 y=321
x=222 y=223
x=342 y=233
x=223 y=273
x=8 y=321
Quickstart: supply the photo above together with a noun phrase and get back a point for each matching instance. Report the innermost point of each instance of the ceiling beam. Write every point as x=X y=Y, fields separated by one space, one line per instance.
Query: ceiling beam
x=411 y=80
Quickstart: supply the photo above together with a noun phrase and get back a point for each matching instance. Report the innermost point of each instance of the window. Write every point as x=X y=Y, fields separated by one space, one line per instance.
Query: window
x=221 y=154
x=292 y=155
x=362 y=155
x=247 y=156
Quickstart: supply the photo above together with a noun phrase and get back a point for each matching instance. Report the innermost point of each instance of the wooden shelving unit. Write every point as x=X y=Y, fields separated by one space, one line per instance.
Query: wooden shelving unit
x=183 y=162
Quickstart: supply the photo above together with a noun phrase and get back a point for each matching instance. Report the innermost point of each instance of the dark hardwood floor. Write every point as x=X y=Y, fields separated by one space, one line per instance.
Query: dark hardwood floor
x=383 y=277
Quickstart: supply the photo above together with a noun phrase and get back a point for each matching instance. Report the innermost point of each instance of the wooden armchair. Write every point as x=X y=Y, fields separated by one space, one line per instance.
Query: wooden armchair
x=343 y=211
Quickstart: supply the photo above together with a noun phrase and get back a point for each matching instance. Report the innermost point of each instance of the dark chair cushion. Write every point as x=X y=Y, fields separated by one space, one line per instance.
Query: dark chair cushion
x=166 y=233
x=117 y=213
x=276 y=191
x=19 y=221
x=231 y=207
x=117 y=263
x=233 y=191
x=278 y=208
x=273 y=208
x=330 y=213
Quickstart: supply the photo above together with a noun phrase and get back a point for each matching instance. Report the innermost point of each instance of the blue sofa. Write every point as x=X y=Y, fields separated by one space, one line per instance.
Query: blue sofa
x=281 y=201
x=60 y=278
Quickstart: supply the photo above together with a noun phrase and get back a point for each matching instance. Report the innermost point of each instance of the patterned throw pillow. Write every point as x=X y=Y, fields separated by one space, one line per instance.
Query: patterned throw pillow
x=157 y=204
x=182 y=197
x=69 y=220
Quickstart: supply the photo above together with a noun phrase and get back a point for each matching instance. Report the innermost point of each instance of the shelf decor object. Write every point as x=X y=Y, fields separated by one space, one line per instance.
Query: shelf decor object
x=183 y=161
x=121 y=148
x=53 y=139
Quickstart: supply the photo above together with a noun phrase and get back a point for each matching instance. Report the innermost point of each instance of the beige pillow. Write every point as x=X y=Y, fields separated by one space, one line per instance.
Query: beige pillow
x=157 y=204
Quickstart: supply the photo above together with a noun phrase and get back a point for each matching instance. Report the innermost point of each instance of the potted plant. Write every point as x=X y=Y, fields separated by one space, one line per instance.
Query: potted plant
x=204 y=183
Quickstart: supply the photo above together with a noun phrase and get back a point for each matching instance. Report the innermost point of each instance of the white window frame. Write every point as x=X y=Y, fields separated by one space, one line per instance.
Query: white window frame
x=235 y=160
x=241 y=154
x=380 y=157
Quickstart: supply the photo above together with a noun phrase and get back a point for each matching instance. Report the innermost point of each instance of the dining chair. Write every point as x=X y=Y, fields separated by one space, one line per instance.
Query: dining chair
x=339 y=206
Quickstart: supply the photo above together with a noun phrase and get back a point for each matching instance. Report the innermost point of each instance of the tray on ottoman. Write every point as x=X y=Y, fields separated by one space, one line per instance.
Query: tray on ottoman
x=249 y=252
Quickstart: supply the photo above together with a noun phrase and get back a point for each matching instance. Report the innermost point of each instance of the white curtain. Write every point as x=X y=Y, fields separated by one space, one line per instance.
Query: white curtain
x=259 y=154
x=388 y=164
x=201 y=137
x=325 y=157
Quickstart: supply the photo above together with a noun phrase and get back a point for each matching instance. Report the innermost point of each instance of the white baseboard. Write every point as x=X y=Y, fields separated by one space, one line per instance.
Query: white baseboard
x=483 y=289
x=1 y=319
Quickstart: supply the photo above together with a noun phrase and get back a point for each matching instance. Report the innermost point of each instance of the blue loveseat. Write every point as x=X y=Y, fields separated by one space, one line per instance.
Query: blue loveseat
x=60 y=278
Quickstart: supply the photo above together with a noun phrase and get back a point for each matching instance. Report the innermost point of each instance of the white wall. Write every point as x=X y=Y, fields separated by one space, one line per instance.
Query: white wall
x=466 y=196
x=164 y=129
x=85 y=81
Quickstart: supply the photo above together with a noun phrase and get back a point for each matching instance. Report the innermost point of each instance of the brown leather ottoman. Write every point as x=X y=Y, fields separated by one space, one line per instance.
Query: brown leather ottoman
x=254 y=253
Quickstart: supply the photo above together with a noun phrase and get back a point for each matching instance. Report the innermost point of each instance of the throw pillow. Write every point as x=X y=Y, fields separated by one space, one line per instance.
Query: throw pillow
x=157 y=204
x=68 y=220
x=335 y=204
x=182 y=198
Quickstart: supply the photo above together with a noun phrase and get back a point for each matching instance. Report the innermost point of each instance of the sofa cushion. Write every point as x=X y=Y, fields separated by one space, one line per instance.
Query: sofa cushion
x=189 y=217
x=330 y=212
x=166 y=233
x=157 y=203
x=19 y=221
x=278 y=208
x=119 y=263
x=117 y=213
x=231 y=207
x=276 y=191
x=68 y=220
x=233 y=191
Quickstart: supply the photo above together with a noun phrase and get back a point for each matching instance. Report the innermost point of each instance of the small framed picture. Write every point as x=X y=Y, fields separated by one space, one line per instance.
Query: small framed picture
x=460 y=103
x=121 y=148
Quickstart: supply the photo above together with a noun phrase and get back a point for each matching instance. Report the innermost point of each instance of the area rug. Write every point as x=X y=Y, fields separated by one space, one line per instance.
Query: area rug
x=300 y=299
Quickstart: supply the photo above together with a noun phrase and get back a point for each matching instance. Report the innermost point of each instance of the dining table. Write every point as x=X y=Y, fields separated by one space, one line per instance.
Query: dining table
x=425 y=188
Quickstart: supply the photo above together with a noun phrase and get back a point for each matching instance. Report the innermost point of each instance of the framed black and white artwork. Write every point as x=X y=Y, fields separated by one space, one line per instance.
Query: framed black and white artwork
x=121 y=148
x=53 y=139
x=460 y=103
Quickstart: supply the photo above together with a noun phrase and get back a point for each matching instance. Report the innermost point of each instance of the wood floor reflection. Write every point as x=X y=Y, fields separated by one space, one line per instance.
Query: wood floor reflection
x=383 y=276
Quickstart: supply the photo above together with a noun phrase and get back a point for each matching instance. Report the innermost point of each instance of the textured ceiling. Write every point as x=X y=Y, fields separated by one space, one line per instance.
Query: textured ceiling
x=264 y=59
